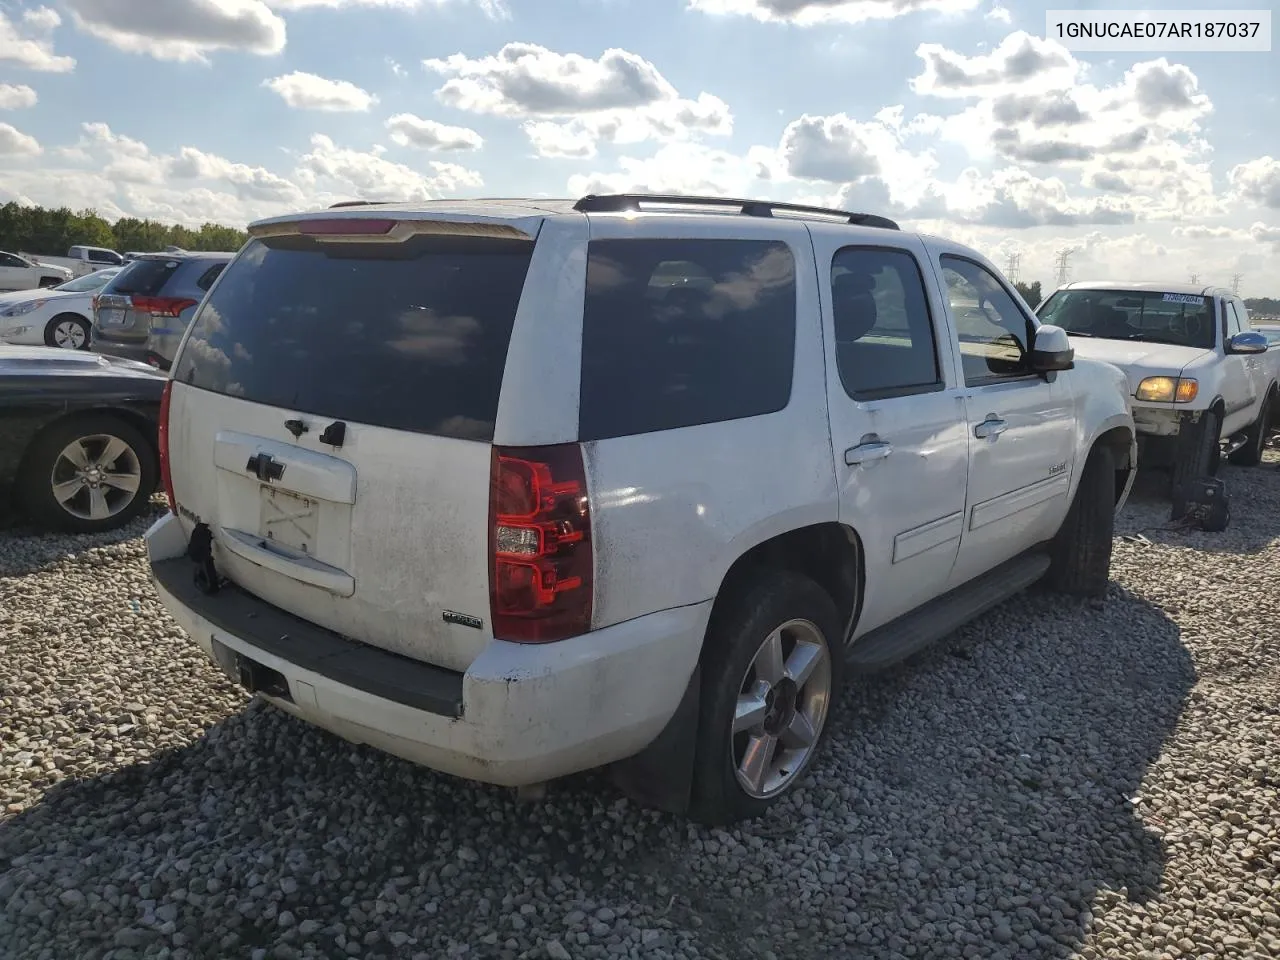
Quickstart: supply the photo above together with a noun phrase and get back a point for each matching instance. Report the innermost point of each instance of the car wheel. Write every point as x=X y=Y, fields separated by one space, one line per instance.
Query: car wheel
x=1196 y=456
x=771 y=675
x=1250 y=455
x=88 y=474
x=1080 y=556
x=70 y=331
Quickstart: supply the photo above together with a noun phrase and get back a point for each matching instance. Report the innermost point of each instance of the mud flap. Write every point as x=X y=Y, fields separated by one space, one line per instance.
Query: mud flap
x=661 y=775
x=200 y=552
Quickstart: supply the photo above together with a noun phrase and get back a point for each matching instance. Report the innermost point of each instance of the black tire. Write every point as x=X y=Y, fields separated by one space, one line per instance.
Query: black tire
x=37 y=477
x=755 y=608
x=1196 y=455
x=1250 y=455
x=1080 y=556
x=50 y=330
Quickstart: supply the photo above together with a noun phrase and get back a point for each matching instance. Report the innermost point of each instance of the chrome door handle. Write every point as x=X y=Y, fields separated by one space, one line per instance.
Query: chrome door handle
x=991 y=428
x=867 y=451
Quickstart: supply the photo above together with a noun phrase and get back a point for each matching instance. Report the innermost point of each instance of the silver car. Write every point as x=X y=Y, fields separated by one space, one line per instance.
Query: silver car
x=143 y=312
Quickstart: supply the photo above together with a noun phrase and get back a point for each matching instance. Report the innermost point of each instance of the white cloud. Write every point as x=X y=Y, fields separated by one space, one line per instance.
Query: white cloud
x=496 y=9
x=409 y=130
x=15 y=143
x=1257 y=182
x=249 y=183
x=16 y=97
x=1021 y=63
x=29 y=43
x=619 y=97
x=1265 y=234
x=999 y=13
x=808 y=12
x=683 y=168
x=181 y=30
x=371 y=176
x=306 y=91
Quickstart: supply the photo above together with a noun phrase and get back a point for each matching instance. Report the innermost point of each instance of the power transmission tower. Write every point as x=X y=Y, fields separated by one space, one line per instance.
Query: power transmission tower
x=1011 y=264
x=1063 y=259
x=1195 y=278
x=1235 y=283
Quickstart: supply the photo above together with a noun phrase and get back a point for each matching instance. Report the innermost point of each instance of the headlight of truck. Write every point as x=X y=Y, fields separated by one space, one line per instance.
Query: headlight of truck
x=20 y=309
x=1168 y=390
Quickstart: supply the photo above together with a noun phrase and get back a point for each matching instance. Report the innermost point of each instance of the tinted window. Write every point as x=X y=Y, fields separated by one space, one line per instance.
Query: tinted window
x=682 y=332
x=210 y=275
x=9 y=260
x=411 y=335
x=995 y=335
x=1150 y=316
x=103 y=256
x=883 y=330
x=142 y=277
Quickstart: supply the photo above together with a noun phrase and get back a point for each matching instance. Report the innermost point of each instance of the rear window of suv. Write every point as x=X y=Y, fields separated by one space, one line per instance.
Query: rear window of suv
x=677 y=333
x=411 y=336
x=144 y=278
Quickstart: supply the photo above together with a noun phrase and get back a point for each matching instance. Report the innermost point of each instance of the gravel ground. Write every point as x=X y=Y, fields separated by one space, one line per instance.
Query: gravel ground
x=1060 y=779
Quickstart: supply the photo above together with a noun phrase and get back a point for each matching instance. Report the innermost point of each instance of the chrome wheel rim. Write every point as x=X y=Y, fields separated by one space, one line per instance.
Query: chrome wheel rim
x=96 y=477
x=782 y=707
x=69 y=335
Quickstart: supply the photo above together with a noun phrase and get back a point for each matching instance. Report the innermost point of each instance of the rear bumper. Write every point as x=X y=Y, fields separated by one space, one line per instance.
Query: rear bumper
x=520 y=714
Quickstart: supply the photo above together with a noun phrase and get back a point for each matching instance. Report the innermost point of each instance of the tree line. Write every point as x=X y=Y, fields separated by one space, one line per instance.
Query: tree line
x=50 y=233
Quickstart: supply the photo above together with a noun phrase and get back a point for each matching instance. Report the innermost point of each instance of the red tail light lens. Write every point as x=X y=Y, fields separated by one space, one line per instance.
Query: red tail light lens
x=162 y=306
x=166 y=478
x=346 y=227
x=541 y=571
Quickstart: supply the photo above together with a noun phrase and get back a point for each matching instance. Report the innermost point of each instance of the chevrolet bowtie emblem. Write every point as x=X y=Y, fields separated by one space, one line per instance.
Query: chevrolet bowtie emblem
x=265 y=467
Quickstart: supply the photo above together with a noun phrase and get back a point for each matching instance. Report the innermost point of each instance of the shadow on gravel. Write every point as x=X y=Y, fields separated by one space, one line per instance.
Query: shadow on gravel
x=24 y=549
x=974 y=802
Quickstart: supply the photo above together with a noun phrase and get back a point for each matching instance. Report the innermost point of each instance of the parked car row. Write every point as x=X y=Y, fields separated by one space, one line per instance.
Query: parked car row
x=60 y=316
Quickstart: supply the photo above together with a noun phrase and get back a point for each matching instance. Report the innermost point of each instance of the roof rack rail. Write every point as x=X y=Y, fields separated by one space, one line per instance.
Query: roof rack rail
x=622 y=202
x=356 y=203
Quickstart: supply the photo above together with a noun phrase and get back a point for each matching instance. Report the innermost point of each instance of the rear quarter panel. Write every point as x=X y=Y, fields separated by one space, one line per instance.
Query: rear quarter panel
x=28 y=405
x=673 y=510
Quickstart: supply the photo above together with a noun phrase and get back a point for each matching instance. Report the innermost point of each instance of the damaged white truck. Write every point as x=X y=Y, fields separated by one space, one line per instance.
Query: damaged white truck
x=1202 y=381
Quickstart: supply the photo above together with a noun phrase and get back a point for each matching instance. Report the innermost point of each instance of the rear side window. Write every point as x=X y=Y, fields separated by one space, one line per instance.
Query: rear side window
x=411 y=336
x=677 y=333
x=145 y=278
x=210 y=275
x=883 y=330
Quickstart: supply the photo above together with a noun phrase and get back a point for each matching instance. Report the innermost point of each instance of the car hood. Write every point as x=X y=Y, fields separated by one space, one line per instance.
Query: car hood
x=25 y=296
x=1138 y=360
x=55 y=362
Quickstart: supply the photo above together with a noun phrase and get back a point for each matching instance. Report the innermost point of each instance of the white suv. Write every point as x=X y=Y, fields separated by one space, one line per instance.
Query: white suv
x=514 y=489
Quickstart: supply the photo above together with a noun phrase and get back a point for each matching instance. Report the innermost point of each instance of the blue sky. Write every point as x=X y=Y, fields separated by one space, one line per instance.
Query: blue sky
x=953 y=115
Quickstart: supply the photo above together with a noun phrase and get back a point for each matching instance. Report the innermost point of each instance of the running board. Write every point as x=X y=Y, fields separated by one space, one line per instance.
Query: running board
x=912 y=632
x=1232 y=444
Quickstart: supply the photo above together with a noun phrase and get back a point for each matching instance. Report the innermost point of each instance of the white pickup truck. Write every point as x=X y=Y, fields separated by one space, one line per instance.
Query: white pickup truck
x=81 y=260
x=1203 y=382
x=19 y=272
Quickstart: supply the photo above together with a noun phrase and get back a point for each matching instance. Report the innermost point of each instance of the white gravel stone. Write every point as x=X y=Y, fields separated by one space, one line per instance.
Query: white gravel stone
x=1059 y=779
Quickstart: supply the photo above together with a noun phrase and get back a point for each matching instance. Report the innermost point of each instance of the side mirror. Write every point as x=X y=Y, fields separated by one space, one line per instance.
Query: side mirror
x=1051 y=350
x=1249 y=341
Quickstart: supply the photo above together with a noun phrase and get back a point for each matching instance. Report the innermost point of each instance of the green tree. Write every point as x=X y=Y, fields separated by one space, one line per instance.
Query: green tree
x=51 y=232
x=1030 y=292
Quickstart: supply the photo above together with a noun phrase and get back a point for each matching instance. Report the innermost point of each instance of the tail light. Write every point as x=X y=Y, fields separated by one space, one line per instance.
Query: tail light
x=166 y=477
x=162 y=306
x=541 y=564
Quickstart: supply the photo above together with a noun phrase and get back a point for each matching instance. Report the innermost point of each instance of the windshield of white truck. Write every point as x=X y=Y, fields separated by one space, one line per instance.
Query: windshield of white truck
x=1183 y=319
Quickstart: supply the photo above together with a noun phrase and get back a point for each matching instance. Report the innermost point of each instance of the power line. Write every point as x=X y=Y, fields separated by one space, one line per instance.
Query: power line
x=1063 y=260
